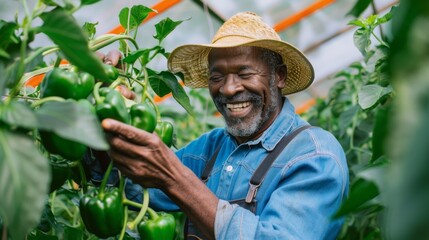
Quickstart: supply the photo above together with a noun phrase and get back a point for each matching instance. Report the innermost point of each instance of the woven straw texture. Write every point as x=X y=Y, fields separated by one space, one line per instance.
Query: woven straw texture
x=243 y=29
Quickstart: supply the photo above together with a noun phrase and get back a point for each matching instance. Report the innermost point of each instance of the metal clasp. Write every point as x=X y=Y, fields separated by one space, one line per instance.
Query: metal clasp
x=251 y=193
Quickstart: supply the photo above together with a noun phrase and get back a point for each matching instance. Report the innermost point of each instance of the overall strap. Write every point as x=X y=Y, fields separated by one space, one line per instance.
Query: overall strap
x=261 y=171
x=209 y=166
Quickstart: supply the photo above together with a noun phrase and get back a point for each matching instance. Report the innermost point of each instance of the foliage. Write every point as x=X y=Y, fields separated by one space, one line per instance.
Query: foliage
x=28 y=207
x=408 y=66
x=356 y=111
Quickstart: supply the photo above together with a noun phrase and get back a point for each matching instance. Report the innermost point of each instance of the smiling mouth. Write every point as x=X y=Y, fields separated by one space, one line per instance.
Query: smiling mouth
x=237 y=107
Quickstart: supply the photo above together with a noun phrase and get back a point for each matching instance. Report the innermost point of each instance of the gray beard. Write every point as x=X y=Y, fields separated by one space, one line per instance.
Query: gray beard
x=237 y=127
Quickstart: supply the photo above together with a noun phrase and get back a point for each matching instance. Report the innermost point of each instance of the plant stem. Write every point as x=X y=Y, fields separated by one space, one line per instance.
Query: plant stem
x=131 y=203
x=84 y=182
x=47 y=99
x=380 y=40
x=104 y=181
x=107 y=41
x=158 y=113
x=121 y=184
x=96 y=94
x=115 y=83
x=152 y=213
x=143 y=210
x=146 y=79
x=124 y=227
x=23 y=51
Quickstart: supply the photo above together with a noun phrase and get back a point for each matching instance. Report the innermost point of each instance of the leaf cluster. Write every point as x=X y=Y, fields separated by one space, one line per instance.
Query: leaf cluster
x=356 y=111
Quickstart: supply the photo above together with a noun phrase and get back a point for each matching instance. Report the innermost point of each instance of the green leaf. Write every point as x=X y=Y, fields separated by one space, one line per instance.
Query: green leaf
x=7 y=35
x=62 y=28
x=357 y=23
x=362 y=40
x=89 y=29
x=50 y=3
x=4 y=54
x=88 y=2
x=369 y=95
x=72 y=121
x=359 y=8
x=144 y=54
x=158 y=86
x=165 y=82
x=132 y=57
x=24 y=180
x=138 y=14
x=346 y=118
x=40 y=235
x=10 y=76
x=361 y=192
x=18 y=114
x=165 y=27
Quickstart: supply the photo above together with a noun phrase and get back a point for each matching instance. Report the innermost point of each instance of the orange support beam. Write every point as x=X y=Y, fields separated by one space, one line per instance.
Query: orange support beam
x=305 y=106
x=159 y=7
x=291 y=20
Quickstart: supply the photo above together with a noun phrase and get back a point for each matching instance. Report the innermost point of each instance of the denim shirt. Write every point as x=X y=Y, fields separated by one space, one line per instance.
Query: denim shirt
x=302 y=190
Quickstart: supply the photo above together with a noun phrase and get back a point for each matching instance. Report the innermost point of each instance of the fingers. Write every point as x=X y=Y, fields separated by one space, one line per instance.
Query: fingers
x=128 y=132
x=127 y=93
x=100 y=55
x=112 y=57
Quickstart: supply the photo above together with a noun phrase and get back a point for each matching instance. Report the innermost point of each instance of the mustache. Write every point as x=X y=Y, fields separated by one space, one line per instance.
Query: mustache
x=241 y=97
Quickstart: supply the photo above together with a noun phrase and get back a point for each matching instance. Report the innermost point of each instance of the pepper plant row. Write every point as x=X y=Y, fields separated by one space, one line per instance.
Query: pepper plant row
x=46 y=131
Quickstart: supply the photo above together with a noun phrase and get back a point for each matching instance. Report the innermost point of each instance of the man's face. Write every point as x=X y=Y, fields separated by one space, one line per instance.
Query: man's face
x=244 y=90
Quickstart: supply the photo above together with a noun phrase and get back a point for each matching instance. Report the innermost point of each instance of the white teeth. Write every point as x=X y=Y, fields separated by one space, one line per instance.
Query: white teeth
x=237 y=106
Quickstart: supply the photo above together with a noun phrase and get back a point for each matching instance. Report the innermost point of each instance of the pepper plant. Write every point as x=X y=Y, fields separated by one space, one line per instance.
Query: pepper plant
x=356 y=112
x=45 y=131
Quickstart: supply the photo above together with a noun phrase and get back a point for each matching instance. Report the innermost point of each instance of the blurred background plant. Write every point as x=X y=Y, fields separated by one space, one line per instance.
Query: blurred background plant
x=378 y=110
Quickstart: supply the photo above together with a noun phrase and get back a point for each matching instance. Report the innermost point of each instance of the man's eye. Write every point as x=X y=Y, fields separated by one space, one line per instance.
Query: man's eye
x=245 y=75
x=216 y=78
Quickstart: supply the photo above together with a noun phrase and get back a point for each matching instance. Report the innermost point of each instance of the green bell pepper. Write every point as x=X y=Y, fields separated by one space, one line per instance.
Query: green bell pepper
x=143 y=116
x=159 y=226
x=111 y=71
x=59 y=176
x=165 y=131
x=102 y=212
x=112 y=105
x=180 y=219
x=67 y=84
x=66 y=148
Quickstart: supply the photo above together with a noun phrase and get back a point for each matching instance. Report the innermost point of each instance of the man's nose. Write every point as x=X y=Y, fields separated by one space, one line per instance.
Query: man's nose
x=231 y=86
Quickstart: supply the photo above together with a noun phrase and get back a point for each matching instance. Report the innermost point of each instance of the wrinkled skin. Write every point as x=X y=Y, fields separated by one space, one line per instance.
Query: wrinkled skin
x=244 y=90
x=143 y=157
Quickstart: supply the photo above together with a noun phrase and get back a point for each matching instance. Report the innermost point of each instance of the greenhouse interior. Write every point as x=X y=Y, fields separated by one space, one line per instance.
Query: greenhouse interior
x=214 y=119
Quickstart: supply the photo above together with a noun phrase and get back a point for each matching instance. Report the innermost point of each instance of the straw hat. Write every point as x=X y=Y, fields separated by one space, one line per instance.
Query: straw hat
x=243 y=29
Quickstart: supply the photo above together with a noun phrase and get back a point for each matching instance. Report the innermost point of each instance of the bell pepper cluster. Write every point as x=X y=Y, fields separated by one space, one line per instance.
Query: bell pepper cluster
x=103 y=209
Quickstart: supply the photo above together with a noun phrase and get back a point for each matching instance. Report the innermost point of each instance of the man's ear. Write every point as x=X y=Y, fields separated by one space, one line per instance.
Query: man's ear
x=281 y=75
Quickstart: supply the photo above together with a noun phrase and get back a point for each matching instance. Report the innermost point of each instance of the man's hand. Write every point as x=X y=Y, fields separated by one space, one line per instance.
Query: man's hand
x=142 y=156
x=113 y=58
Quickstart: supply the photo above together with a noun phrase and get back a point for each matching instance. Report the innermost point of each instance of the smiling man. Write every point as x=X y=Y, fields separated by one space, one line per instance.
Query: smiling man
x=268 y=174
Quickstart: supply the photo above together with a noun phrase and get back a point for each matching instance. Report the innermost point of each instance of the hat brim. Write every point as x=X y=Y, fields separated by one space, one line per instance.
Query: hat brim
x=192 y=61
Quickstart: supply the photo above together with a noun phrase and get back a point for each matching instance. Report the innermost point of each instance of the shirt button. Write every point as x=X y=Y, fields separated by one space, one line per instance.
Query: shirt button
x=229 y=168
